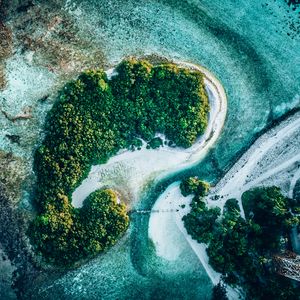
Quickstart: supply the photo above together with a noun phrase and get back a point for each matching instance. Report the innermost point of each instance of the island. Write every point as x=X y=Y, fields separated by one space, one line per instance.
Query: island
x=93 y=118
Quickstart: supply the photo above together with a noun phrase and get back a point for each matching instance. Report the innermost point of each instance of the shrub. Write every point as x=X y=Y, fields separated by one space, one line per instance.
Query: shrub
x=219 y=292
x=155 y=143
x=193 y=185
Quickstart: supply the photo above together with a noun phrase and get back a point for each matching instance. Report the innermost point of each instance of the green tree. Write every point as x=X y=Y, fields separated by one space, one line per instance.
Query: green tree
x=219 y=292
x=193 y=185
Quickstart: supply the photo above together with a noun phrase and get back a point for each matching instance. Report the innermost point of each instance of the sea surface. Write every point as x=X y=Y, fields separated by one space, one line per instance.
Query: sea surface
x=250 y=47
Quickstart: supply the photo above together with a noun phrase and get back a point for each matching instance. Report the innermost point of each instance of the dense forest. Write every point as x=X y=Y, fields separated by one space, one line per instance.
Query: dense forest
x=242 y=249
x=93 y=119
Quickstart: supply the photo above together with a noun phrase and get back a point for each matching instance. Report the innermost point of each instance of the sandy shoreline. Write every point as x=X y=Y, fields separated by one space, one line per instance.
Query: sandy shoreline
x=165 y=226
x=172 y=206
x=129 y=172
x=271 y=155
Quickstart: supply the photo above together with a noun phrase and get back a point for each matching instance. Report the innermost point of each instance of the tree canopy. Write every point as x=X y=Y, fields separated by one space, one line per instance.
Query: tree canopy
x=242 y=249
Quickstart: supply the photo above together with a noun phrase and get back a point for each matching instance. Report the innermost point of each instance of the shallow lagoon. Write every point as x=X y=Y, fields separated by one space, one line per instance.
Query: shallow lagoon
x=247 y=47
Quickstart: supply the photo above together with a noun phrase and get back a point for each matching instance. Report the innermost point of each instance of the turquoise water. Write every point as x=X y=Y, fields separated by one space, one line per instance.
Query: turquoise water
x=247 y=47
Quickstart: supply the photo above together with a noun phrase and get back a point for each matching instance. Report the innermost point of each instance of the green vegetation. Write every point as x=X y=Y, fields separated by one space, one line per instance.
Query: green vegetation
x=201 y=220
x=219 y=292
x=155 y=143
x=242 y=249
x=271 y=210
x=79 y=233
x=193 y=185
x=92 y=120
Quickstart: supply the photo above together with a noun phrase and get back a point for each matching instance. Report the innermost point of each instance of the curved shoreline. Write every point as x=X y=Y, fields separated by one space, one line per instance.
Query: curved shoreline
x=164 y=243
x=217 y=116
x=170 y=212
x=130 y=171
